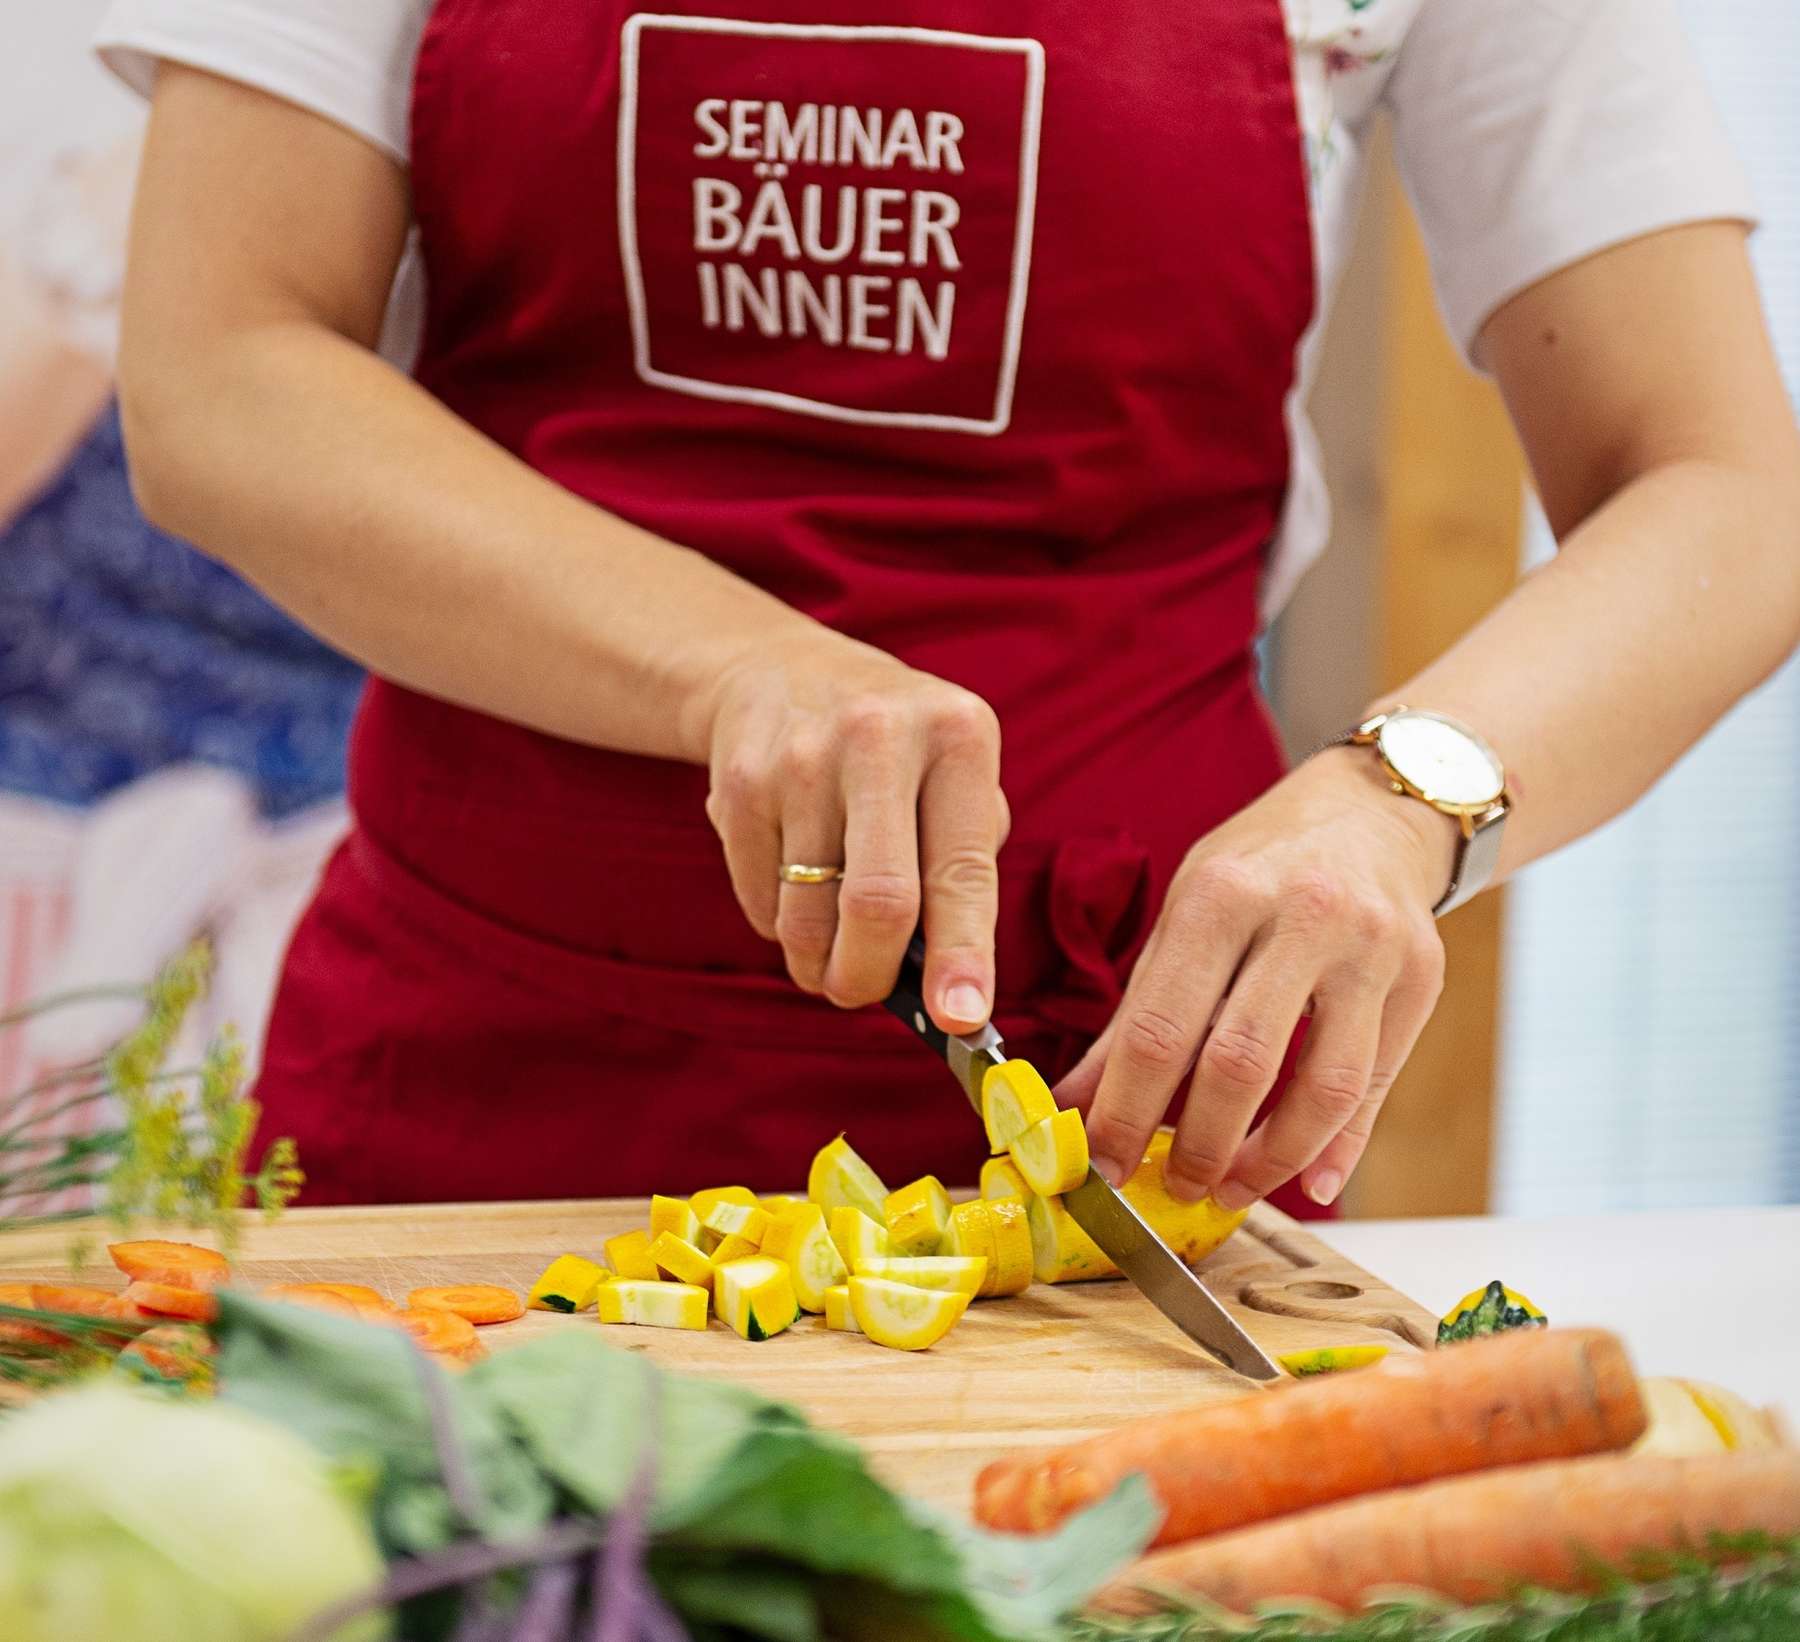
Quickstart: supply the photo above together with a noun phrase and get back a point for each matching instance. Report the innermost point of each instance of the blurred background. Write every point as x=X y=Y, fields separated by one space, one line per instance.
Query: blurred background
x=1621 y=1027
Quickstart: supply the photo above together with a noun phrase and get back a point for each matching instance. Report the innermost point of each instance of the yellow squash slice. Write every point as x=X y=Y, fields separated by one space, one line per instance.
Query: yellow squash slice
x=802 y=1240
x=956 y=1274
x=651 y=1304
x=1013 y=1098
x=916 y=1216
x=898 y=1315
x=674 y=1215
x=678 y=1260
x=1061 y=1252
x=840 y=1179
x=1329 y=1360
x=1053 y=1155
x=1192 y=1230
x=702 y=1201
x=857 y=1236
x=838 y=1311
x=629 y=1256
x=1000 y=1178
x=567 y=1284
x=1013 y=1259
x=732 y=1247
x=756 y=1297
x=745 y=1220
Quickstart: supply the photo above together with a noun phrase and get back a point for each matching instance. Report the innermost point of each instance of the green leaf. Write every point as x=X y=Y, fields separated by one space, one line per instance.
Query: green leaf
x=584 y=1411
x=743 y=1597
x=353 y=1390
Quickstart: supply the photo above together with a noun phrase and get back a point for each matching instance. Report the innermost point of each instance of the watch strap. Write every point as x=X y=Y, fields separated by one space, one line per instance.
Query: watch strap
x=1477 y=857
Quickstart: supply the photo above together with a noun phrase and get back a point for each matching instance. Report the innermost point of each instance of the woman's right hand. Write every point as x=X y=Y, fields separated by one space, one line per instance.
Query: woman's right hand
x=825 y=752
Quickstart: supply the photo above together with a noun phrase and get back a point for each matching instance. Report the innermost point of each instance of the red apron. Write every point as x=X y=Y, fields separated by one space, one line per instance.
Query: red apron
x=967 y=334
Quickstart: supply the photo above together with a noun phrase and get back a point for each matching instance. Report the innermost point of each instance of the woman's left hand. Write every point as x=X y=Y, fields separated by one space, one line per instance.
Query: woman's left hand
x=1316 y=898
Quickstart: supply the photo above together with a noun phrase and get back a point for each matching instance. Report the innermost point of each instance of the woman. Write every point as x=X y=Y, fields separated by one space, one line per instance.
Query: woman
x=813 y=400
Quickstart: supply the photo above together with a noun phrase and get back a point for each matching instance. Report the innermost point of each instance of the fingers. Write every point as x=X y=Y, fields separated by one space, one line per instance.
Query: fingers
x=812 y=834
x=750 y=829
x=1239 y=1061
x=878 y=900
x=960 y=822
x=1327 y=1093
x=1154 y=1038
x=1408 y=1008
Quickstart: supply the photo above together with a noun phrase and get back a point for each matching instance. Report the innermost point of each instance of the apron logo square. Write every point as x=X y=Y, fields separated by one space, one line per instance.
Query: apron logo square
x=831 y=221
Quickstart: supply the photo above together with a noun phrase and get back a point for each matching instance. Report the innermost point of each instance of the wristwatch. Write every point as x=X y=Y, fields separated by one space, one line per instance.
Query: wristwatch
x=1447 y=765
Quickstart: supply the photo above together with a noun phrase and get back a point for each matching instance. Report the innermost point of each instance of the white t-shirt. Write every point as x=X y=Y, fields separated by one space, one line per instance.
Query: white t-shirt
x=1530 y=134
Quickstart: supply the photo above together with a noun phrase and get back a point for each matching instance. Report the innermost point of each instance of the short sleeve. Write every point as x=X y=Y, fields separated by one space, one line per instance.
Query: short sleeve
x=348 y=60
x=1533 y=133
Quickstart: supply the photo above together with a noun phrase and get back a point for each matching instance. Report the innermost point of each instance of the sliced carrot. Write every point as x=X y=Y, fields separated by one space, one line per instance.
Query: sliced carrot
x=168 y=1300
x=180 y=1265
x=14 y=1331
x=478 y=1302
x=1557 y=1526
x=348 y=1299
x=80 y=1300
x=1532 y=1394
x=87 y=1300
x=442 y=1333
x=174 y=1351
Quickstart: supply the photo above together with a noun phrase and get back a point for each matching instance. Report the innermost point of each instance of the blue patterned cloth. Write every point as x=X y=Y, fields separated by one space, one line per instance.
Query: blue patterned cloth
x=123 y=650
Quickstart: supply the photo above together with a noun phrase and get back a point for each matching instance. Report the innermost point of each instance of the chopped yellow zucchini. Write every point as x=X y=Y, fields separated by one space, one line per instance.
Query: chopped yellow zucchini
x=956 y=1274
x=629 y=1256
x=1000 y=1178
x=678 y=1260
x=756 y=1297
x=857 y=1236
x=916 y=1216
x=702 y=1201
x=839 y=1313
x=745 y=1220
x=652 y=1304
x=674 y=1215
x=1052 y=1154
x=566 y=1284
x=1013 y=1097
x=896 y=1314
x=802 y=1240
x=732 y=1247
x=840 y=1179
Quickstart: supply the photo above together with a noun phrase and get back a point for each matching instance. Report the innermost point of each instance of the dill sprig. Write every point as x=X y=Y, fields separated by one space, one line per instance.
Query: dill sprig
x=178 y=1154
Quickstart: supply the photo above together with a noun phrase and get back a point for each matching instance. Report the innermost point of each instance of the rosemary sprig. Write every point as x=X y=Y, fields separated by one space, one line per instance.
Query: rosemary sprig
x=1758 y=1600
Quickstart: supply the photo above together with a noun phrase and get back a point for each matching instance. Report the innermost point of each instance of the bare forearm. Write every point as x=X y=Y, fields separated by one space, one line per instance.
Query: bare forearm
x=416 y=545
x=1671 y=601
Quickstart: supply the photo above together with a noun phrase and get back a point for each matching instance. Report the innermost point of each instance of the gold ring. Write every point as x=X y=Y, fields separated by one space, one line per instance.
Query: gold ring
x=793 y=873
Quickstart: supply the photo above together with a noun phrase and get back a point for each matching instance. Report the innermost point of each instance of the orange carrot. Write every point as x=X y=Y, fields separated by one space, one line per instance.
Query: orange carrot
x=1531 y=1394
x=174 y=1351
x=180 y=1265
x=349 y=1299
x=168 y=1300
x=443 y=1334
x=1478 y=1538
x=479 y=1302
x=85 y=1300
x=14 y=1331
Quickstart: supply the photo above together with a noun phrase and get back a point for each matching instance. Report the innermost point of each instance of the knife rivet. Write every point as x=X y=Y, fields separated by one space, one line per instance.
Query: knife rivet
x=919 y=1020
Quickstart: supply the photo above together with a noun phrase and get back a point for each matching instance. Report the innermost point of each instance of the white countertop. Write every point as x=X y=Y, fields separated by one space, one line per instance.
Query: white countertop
x=1708 y=1294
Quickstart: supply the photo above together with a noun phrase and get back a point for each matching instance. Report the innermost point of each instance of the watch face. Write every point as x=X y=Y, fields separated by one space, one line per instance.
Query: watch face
x=1444 y=761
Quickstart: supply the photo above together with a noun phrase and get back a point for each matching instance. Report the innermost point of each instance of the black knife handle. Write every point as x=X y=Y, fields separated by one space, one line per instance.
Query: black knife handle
x=907 y=1001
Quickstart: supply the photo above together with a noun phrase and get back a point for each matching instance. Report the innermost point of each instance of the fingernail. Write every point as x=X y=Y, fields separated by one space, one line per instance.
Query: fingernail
x=1182 y=1189
x=1111 y=1170
x=1232 y=1195
x=1326 y=1184
x=965 y=1002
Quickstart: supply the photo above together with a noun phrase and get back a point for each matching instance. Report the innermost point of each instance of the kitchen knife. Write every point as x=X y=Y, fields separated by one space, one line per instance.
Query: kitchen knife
x=1123 y=1235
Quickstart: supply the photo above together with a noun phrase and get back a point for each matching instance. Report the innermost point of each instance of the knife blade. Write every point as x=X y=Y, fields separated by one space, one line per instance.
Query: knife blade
x=1123 y=1235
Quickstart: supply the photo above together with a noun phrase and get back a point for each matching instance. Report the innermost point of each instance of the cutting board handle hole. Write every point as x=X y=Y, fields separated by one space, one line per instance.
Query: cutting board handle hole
x=1316 y=1290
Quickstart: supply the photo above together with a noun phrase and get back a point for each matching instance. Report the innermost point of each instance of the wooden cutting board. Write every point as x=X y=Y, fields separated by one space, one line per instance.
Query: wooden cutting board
x=1049 y=1366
